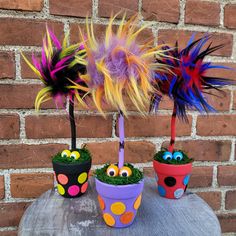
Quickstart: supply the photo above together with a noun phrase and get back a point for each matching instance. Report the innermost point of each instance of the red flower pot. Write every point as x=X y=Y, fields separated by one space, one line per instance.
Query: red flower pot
x=172 y=180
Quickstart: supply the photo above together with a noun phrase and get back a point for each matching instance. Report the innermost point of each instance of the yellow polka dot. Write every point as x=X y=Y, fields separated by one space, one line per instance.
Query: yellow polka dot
x=82 y=177
x=137 y=202
x=118 y=208
x=60 y=189
x=109 y=219
x=101 y=202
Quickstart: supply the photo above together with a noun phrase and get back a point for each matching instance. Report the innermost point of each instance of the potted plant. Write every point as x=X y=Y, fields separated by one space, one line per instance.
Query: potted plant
x=60 y=69
x=185 y=83
x=116 y=66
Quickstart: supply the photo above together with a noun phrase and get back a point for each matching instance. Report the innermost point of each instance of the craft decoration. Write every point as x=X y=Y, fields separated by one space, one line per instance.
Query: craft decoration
x=59 y=69
x=185 y=83
x=119 y=66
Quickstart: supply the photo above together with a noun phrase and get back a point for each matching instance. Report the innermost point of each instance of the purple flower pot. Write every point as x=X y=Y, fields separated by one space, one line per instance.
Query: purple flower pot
x=119 y=203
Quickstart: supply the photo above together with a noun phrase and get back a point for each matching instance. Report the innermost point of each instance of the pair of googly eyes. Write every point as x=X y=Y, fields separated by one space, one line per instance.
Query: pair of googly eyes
x=113 y=171
x=73 y=155
x=178 y=156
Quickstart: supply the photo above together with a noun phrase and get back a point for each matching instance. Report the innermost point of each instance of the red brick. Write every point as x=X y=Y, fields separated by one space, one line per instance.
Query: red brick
x=230 y=200
x=28 y=156
x=15 y=96
x=99 y=31
x=229 y=16
x=78 y=8
x=227 y=222
x=162 y=10
x=201 y=150
x=216 y=125
x=106 y=7
x=107 y=152
x=58 y=126
x=7 y=68
x=213 y=199
x=170 y=36
x=197 y=12
x=26 y=32
x=153 y=125
x=26 y=72
x=30 y=185
x=9 y=126
x=12 y=213
x=219 y=100
x=226 y=175
x=9 y=233
x=201 y=177
x=223 y=73
x=2 y=188
x=35 y=5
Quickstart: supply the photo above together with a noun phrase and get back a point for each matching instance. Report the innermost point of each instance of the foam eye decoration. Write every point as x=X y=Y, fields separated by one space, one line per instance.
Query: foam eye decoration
x=112 y=170
x=125 y=171
x=167 y=156
x=65 y=153
x=178 y=156
x=75 y=155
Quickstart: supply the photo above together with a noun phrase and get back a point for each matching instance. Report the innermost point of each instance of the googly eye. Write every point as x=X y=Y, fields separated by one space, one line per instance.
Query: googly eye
x=65 y=153
x=125 y=171
x=178 y=156
x=112 y=170
x=167 y=156
x=75 y=155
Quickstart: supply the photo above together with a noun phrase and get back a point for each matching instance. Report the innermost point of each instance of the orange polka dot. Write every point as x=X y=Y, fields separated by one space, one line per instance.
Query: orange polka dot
x=62 y=179
x=101 y=202
x=127 y=217
x=138 y=202
x=118 y=208
x=84 y=187
x=109 y=219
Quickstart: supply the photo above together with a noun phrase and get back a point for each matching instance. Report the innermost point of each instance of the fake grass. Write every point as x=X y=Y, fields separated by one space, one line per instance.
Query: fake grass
x=136 y=176
x=84 y=156
x=158 y=157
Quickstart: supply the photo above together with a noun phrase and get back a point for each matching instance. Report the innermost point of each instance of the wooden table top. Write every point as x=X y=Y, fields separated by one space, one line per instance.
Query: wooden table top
x=52 y=214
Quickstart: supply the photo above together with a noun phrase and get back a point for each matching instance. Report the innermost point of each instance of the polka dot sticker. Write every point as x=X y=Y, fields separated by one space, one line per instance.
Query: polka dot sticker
x=73 y=190
x=84 y=187
x=118 y=208
x=161 y=190
x=62 y=179
x=127 y=217
x=101 y=202
x=60 y=189
x=109 y=219
x=82 y=177
x=178 y=193
x=137 y=202
x=186 y=179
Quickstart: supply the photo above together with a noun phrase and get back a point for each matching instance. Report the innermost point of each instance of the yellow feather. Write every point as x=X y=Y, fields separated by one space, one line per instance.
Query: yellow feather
x=41 y=94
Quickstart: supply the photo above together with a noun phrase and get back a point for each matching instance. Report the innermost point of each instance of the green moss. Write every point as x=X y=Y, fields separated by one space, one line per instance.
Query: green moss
x=158 y=157
x=84 y=156
x=136 y=176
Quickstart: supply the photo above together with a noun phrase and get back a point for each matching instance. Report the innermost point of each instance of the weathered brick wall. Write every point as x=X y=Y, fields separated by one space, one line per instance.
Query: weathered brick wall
x=27 y=140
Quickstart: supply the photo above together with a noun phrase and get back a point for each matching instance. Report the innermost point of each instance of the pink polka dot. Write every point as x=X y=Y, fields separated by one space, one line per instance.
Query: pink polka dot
x=84 y=187
x=63 y=179
x=73 y=190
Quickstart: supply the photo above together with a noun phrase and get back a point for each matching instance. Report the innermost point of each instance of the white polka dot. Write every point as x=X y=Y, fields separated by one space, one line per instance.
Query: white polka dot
x=178 y=193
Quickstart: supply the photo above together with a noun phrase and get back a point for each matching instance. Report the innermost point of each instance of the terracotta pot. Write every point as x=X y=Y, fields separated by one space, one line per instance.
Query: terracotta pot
x=172 y=180
x=119 y=203
x=72 y=179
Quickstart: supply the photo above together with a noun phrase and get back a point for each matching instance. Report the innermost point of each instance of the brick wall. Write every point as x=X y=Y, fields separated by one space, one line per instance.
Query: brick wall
x=28 y=140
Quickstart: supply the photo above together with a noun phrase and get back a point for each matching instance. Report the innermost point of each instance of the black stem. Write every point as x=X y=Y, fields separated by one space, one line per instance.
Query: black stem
x=72 y=123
